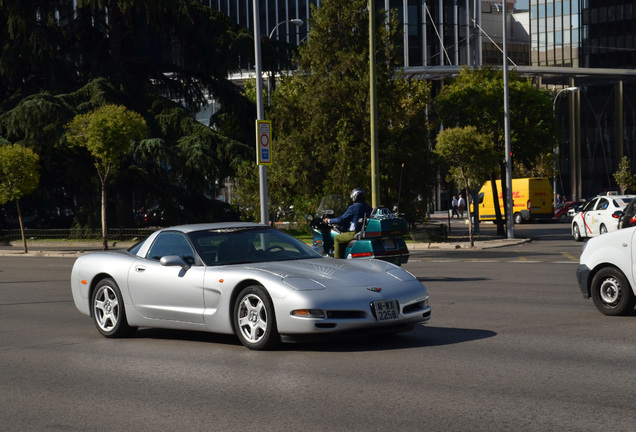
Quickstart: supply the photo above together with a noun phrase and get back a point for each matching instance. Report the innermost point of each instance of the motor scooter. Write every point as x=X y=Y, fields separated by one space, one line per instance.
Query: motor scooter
x=381 y=236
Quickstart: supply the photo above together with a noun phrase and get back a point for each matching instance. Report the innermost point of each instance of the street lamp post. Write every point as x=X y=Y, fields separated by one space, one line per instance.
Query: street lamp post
x=555 y=150
x=508 y=145
x=260 y=109
x=260 y=112
x=296 y=21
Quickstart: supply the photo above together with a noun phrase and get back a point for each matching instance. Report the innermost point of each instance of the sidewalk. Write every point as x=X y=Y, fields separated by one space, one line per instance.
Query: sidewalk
x=458 y=235
x=457 y=239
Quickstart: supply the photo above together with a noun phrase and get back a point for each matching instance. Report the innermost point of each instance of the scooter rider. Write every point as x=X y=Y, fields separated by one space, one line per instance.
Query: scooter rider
x=351 y=220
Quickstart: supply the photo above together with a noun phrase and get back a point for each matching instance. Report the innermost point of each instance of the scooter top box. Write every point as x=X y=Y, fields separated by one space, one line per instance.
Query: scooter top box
x=385 y=227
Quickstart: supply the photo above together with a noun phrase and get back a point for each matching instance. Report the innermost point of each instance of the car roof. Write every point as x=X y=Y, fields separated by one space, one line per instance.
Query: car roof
x=213 y=226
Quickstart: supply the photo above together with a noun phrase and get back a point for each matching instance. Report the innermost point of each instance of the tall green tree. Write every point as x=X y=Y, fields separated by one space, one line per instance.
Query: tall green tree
x=470 y=156
x=60 y=58
x=19 y=176
x=320 y=115
x=107 y=133
x=475 y=98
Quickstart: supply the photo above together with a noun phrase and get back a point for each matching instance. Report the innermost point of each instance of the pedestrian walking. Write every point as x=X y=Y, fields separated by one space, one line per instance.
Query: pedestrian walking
x=454 y=204
x=461 y=205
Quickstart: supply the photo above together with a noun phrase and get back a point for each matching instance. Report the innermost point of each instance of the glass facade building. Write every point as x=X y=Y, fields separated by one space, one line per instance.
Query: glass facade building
x=436 y=32
x=555 y=32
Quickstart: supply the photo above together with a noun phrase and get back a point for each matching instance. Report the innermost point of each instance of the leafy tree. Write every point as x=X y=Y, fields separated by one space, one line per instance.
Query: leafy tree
x=320 y=117
x=470 y=155
x=624 y=177
x=57 y=62
x=107 y=133
x=475 y=97
x=19 y=176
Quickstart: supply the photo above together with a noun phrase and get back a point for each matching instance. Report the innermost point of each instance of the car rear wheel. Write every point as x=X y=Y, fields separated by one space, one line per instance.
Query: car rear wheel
x=517 y=218
x=254 y=319
x=576 y=233
x=108 y=312
x=611 y=292
x=602 y=230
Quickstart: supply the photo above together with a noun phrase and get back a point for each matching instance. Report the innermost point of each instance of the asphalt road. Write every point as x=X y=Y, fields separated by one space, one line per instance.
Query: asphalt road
x=511 y=346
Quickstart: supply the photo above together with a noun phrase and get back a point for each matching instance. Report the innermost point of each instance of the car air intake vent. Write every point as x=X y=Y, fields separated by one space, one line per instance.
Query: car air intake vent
x=413 y=307
x=346 y=314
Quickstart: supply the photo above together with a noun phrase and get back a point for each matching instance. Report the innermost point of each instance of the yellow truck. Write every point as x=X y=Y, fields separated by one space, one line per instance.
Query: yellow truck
x=532 y=199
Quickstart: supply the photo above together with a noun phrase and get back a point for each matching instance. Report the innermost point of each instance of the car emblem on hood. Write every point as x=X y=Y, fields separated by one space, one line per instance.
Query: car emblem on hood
x=375 y=289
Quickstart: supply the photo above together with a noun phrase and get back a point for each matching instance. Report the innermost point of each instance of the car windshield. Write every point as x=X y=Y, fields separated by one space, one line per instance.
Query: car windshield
x=246 y=245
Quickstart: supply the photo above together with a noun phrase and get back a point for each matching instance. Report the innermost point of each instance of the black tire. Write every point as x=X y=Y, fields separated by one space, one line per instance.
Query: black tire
x=602 y=230
x=611 y=293
x=108 y=311
x=576 y=233
x=254 y=319
x=517 y=218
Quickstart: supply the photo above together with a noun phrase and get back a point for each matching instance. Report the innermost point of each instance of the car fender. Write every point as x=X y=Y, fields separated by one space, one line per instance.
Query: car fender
x=89 y=269
x=612 y=249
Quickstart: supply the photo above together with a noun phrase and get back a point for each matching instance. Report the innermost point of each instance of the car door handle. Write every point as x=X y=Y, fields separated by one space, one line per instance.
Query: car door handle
x=140 y=269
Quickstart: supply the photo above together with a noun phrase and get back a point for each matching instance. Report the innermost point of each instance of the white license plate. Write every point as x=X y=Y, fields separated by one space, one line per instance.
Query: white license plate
x=386 y=310
x=389 y=244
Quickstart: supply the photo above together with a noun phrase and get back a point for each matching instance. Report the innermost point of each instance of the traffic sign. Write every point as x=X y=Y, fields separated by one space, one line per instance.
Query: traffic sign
x=264 y=142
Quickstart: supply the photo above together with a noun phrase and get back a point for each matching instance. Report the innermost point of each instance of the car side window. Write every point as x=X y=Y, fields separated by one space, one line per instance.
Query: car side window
x=171 y=243
x=603 y=204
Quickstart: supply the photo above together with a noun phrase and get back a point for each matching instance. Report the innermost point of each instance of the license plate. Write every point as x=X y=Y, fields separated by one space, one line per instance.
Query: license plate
x=386 y=310
x=389 y=244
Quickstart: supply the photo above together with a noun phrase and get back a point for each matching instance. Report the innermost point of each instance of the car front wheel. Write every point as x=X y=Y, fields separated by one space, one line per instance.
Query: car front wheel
x=254 y=319
x=611 y=292
x=576 y=233
x=108 y=312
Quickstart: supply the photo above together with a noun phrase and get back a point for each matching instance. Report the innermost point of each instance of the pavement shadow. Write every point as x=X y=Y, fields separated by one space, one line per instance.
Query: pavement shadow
x=420 y=336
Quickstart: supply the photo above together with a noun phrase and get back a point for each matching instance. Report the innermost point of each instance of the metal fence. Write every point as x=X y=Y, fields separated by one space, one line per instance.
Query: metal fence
x=114 y=234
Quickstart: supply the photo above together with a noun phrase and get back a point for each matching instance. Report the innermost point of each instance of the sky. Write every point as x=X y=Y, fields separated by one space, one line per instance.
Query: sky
x=522 y=4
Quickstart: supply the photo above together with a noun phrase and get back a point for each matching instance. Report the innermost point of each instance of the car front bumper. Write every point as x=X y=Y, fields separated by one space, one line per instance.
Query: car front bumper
x=582 y=277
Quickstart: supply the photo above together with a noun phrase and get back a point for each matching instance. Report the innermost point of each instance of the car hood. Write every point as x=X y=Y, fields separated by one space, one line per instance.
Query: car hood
x=325 y=272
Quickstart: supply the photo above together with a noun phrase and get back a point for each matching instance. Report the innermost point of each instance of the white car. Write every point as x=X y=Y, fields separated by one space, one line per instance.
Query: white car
x=599 y=216
x=605 y=272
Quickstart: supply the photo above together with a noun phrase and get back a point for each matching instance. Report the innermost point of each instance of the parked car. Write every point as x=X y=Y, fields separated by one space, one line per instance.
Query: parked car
x=599 y=216
x=628 y=217
x=575 y=208
x=561 y=211
x=605 y=272
x=245 y=279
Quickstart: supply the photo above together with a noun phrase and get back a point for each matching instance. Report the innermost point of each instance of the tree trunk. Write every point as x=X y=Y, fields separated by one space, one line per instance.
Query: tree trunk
x=495 y=197
x=17 y=203
x=104 y=223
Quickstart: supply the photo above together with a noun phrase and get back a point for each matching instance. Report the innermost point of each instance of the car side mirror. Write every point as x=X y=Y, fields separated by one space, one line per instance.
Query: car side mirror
x=174 y=261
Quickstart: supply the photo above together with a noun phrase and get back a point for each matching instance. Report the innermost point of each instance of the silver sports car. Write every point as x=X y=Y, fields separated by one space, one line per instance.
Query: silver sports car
x=245 y=279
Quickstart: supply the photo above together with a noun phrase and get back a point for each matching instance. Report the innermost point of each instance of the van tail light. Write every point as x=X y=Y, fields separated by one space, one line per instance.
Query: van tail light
x=529 y=205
